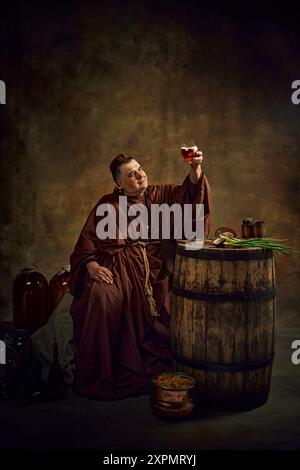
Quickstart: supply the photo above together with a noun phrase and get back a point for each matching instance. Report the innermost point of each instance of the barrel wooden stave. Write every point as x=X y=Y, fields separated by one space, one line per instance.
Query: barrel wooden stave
x=224 y=332
x=237 y=391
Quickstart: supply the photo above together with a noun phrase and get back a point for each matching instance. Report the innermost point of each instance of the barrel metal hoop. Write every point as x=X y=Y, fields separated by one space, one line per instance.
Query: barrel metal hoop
x=225 y=254
x=265 y=294
x=216 y=367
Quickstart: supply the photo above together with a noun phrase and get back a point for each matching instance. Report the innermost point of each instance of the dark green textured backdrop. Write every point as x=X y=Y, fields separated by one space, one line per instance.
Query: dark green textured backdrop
x=86 y=80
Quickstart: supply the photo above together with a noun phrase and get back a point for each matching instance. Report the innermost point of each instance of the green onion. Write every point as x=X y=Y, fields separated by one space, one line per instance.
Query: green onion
x=267 y=243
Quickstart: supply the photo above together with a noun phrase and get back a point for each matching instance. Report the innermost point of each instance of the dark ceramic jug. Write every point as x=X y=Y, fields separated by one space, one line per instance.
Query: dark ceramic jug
x=30 y=300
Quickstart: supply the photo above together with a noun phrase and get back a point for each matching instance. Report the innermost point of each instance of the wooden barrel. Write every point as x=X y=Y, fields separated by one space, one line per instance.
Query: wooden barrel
x=223 y=324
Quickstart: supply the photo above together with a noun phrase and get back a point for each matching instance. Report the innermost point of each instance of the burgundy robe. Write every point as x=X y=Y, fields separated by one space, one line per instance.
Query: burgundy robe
x=119 y=345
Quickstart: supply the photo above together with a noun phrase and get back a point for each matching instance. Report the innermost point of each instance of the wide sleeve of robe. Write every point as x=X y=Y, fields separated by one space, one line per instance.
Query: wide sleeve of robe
x=89 y=247
x=186 y=193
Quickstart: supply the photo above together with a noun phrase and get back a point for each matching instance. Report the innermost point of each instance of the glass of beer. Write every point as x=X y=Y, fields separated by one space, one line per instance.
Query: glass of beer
x=188 y=150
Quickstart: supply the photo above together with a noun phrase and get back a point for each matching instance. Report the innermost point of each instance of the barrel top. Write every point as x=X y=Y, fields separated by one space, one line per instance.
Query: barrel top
x=209 y=246
x=210 y=251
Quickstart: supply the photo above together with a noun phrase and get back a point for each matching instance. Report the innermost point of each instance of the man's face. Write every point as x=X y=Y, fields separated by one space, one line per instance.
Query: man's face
x=133 y=179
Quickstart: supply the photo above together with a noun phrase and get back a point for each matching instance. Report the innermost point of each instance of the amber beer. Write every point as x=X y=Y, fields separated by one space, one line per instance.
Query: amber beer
x=188 y=151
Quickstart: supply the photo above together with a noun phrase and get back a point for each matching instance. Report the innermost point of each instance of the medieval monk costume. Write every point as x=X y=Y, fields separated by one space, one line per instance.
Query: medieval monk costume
x=121 y=330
